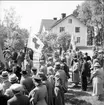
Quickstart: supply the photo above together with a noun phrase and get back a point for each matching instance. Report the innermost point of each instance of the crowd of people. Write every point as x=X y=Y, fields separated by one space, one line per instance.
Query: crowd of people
x=23 y=84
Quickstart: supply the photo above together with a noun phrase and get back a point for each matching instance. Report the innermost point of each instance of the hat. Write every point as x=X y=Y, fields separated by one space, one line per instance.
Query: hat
x=50 y=58
x=57 y=64
x=1 y=87
x=97 y=64
x=37 y=78
x=34 y=69
x=100 y=51
x=13 y=78
x=42 y=75
x=16 y=87
x=41 y=61
x=24 y=72
x=95 y=60
x=4 y=74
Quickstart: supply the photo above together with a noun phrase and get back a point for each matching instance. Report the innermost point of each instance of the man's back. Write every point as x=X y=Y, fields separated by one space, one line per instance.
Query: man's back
x=19 y=100
x=28 y=83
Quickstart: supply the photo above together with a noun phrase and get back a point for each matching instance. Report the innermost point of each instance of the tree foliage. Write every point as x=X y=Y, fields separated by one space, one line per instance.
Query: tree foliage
x=64 y=40
x=91 y=13
x=10 y=31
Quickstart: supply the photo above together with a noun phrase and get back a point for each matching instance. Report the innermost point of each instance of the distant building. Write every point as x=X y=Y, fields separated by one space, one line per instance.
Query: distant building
x=46 y=25
x=69 y=24
x=73 y=26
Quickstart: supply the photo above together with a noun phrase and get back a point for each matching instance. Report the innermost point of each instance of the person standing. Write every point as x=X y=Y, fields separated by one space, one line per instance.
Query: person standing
x=26 y=81
x=3 y=98
x=18 y=98
x=58 y=92
x=84 y=74
x=97 y=78
x=38 y=96
x=6 y=84
x=75 y=72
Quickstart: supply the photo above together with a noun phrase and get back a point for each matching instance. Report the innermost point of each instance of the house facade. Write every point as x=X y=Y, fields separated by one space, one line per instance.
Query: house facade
x=73 y=26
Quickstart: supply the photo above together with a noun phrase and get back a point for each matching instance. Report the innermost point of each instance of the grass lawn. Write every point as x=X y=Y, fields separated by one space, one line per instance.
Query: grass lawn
x=75 y=96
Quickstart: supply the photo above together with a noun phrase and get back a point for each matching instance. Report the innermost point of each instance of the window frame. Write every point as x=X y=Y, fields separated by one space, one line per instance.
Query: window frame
x=77 y=29
x=70 y=21
x=62 y=29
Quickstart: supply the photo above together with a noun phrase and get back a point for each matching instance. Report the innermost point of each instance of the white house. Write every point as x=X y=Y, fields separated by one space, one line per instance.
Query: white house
x=73 y=26
x=46 y=25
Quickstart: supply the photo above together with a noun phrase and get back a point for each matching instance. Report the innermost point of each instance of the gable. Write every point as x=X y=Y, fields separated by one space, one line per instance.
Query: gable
x=62 y=20
x=46 y=23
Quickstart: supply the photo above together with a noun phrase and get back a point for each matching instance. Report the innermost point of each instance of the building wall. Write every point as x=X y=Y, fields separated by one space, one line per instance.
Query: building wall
x=70 y=28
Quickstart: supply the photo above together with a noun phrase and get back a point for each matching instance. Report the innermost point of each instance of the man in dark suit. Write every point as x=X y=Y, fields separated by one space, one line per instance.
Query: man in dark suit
x=18 y=98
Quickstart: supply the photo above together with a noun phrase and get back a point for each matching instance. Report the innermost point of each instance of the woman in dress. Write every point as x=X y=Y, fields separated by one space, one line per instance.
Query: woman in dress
x=97 y=78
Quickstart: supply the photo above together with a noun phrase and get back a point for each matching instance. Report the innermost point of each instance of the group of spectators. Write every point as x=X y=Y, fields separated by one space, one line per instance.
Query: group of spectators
x=23 y=84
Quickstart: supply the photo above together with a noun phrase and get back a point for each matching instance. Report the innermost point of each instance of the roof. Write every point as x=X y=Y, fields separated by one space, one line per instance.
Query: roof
x=59 y=21
x=47 y=23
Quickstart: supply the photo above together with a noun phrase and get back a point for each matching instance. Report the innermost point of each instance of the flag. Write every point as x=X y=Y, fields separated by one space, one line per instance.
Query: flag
x=73 y=42
x=35 y=43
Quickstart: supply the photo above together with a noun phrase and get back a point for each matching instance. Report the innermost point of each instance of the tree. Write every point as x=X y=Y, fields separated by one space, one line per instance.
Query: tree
x=91 y=14
x=64 y=40
x=15 y=37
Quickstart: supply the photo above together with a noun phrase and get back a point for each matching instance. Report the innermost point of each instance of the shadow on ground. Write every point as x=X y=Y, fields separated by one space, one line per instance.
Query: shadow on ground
x=70 y=98
x=75 y=101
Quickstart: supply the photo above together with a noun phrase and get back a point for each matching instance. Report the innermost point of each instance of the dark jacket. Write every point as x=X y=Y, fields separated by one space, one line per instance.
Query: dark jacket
x=18 y=100
x=3 y=99
x=85 y=69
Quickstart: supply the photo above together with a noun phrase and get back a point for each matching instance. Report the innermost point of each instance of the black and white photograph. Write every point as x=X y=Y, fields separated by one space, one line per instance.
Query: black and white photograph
x=51 y=52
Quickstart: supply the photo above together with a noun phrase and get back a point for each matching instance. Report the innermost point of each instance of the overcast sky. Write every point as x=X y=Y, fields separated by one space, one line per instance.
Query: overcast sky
x=32 y=12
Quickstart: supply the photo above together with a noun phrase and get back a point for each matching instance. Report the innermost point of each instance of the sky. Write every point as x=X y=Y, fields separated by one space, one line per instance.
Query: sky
x=32 y=12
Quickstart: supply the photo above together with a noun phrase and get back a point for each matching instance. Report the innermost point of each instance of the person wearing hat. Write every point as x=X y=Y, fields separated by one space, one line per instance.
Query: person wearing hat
x=50 y=62
x=28 y=64
x=49 y=86
x=97 y=78
x=26 y=81
x=38 y=96
x=3 y=98
x=19 y=98
x=6 y=84
x=34 y=71
x=56 y=66
x=85 y=70
x=75 y=72
x=58 y=92
x=43 y=69
x=13 y=79
x=62 y=75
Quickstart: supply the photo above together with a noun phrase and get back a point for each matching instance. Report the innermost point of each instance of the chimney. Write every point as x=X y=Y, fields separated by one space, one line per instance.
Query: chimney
x=54 y=18
x=63 y=15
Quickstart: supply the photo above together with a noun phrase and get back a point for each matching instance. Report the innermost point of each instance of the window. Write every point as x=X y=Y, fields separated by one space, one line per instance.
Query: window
x=70 y=21
x=78 y=40
x=77 y=29
x=62 y=29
